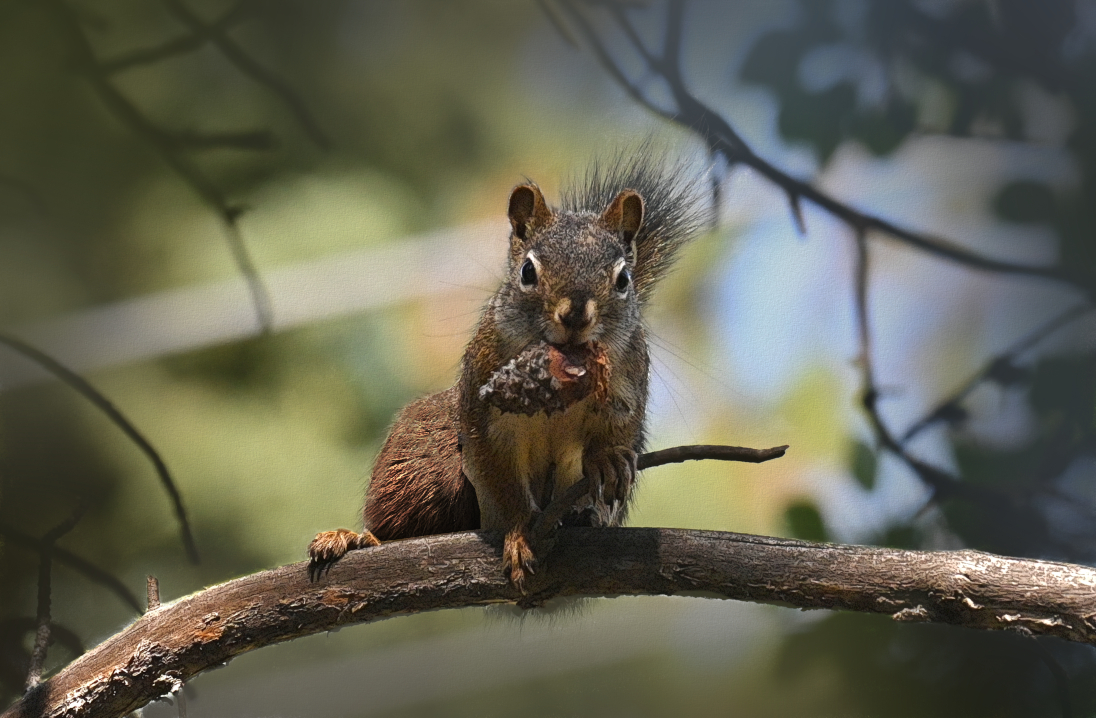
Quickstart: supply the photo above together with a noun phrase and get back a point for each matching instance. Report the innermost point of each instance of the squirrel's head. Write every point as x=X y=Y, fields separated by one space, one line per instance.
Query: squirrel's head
x=570 y=276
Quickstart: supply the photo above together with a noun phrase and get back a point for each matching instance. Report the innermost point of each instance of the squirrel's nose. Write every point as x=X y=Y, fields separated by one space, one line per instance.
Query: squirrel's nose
x=575 y=313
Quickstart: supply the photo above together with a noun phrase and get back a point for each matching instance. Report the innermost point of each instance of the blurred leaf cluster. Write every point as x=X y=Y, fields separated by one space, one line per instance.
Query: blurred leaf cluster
x=879 y=73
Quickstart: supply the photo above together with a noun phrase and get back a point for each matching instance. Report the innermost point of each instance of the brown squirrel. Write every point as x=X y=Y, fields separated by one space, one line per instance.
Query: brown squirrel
x=577 y=279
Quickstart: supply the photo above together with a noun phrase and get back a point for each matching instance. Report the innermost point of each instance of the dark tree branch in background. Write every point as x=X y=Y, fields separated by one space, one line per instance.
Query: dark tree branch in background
x=103 y=404
x=721 y=138
x=250 y=140
x=80 y=565
x=164 y=142
x=178 y=46
x=45 y=595
x=216 y=34
x=723 y=141
x=1001 y=368
x=175 y=642
x=13 y=631
x=942 y=483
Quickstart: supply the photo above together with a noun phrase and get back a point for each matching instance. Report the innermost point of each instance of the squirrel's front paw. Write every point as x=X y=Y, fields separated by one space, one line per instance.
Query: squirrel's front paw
x=329 y=546
x=517 y=558
x=612 y=474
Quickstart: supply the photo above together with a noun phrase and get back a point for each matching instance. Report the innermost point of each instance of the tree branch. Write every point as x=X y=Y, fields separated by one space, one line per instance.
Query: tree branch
x=721 y=138
x=165 y=145
x=80 y=565
x=696 y=452
x=103 y=404
x=216 y=34
x=45 y=596
x=175 y=642
x=174 y=47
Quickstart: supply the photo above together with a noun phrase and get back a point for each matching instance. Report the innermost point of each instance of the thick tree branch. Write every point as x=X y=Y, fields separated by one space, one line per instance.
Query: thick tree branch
x=175 y=642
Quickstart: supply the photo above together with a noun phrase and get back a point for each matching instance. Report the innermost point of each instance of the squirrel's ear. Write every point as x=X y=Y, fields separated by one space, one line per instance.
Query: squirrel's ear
x=624 y=215
x=527 y=210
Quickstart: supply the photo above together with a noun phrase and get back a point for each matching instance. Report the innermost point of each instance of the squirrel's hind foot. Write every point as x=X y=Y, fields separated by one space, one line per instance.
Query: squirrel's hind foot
x=517 y=558
x=329 y=546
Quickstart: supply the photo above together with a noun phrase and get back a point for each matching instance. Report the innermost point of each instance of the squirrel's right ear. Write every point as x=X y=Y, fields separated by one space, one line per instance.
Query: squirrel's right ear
x=527 y=210
x=624 y=215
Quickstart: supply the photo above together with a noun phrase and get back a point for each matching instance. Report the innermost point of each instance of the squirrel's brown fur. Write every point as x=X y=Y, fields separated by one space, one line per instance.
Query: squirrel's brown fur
x=577 y=277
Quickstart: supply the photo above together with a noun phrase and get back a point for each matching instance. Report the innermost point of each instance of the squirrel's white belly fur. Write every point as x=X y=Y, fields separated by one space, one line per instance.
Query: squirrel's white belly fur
x=544 y=446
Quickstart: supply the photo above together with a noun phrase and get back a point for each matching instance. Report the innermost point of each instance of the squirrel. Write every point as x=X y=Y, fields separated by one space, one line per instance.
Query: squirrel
x=577 y=279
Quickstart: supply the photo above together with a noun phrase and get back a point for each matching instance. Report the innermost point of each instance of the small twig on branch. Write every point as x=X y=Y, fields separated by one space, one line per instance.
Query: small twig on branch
x=152 y=591
x=85 y=389
x=45 y=596
x=548 y=521
x=180 y=640
x=696 y=452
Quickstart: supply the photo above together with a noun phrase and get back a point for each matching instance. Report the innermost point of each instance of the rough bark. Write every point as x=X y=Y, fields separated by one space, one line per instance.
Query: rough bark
x=176 y=641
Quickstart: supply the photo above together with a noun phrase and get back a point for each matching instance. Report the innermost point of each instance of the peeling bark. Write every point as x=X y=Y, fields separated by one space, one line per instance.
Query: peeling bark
x=172 y=643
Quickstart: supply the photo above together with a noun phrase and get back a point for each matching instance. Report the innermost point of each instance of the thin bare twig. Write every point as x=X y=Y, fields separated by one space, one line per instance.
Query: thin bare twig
x=999 y=367
x=572 y=499
x=177 y=46
x=697 y=452
x=76 y=563
x=940 y=481
x=85 y=389
x=217 y=35
x=169 y=151
x=45 y=595
x=721 y=137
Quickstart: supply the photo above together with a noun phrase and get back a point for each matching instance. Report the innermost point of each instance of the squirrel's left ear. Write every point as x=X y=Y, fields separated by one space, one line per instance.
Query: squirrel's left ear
x=624 y=215
x=527 y=210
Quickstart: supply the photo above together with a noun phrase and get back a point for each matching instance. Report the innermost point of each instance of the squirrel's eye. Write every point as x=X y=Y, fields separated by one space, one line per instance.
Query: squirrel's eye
x=623 y=280
x=528 y=274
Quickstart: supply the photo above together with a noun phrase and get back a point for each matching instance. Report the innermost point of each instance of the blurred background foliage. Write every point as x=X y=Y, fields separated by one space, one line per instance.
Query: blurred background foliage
x=313 y=130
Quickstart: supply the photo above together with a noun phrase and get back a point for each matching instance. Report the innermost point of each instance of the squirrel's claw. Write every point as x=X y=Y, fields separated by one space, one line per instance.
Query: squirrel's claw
x=611 y=474
x=517 y=558
x=329 y=546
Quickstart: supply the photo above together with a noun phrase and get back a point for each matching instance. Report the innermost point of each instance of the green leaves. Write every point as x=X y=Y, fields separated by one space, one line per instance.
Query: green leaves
x=1026 y=202
x=863 y=463
x=805 y=522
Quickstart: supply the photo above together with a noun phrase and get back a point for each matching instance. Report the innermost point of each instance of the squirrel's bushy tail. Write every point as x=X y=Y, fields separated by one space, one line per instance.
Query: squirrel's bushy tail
x=673 y=211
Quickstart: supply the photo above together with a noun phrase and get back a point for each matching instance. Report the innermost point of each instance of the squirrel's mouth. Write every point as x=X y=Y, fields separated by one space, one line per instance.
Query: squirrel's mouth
x=573 y=321
x=571 y=339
